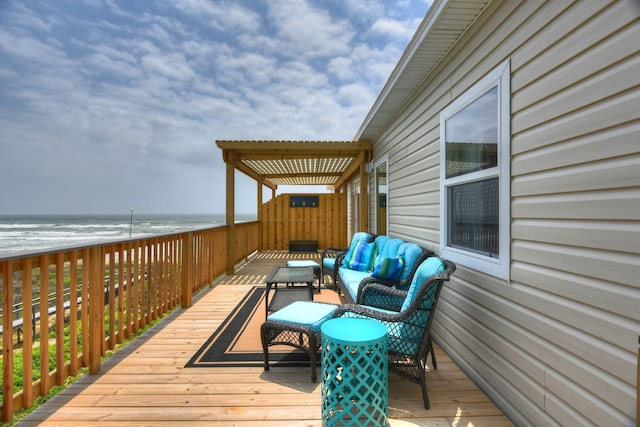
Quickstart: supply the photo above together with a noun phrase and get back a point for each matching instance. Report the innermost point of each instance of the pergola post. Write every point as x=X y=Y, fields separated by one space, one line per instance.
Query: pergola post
x=230 y=217
x=259 y=215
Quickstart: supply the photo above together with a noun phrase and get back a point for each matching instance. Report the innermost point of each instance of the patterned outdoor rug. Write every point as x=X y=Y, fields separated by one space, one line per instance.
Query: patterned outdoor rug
x=237 y=341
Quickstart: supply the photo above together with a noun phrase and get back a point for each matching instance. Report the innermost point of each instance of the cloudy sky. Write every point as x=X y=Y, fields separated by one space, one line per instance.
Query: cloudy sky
x=108 y=105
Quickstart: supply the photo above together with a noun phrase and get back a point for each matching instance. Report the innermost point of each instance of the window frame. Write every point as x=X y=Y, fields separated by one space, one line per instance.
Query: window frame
x=384 y=160
x=499 y=267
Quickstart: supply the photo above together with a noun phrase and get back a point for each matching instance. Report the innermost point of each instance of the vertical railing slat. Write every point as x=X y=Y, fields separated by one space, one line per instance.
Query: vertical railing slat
x=122 y=288
x=28 y=330
x=59 y=300
x=136 y=276
x=84 y=307
x=73 y=313
x=44 y=325
x=112 y=297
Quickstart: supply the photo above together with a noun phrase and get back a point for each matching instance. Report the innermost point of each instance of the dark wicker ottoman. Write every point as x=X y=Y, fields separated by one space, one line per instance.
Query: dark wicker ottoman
x=296 y=325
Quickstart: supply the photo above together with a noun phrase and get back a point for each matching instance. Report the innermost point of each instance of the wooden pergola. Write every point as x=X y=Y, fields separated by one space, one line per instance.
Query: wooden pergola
x=274 y=163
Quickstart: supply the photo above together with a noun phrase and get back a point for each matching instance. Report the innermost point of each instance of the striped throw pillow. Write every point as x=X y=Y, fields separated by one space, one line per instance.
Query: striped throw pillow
x=389 y=268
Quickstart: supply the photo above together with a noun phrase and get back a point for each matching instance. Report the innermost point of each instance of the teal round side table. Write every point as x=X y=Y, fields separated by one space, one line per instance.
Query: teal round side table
x=354 y=370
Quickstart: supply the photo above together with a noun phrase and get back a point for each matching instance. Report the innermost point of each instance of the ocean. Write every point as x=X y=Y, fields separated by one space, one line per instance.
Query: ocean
x=32 y=233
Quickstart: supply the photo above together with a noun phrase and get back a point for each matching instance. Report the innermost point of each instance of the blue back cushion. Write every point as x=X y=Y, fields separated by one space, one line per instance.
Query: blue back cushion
x=381 y=241
x=387 y=248
x=361 y=236
x=411 y=254
x=429 y=267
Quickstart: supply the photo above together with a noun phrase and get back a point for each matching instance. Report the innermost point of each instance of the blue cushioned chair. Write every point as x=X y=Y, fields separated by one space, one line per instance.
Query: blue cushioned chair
x=329 y=255
x=407 y=315
x=413 y=255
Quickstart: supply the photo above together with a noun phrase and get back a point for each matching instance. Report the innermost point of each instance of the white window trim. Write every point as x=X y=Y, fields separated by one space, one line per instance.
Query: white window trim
x=381 y=160
x=498 y=267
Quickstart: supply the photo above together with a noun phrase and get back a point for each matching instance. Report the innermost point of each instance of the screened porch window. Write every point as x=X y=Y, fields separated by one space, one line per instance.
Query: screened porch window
x=475 y=159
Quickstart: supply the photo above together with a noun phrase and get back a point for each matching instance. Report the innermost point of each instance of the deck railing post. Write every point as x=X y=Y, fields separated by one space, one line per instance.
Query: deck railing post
x=7 y=342
x=187 y=269
x=96 y=302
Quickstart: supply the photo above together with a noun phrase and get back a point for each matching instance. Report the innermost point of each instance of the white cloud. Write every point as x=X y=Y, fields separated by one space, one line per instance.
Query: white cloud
x=171 y=65
x=126 y=99
x=225 y=16
x=308 y=32
x=393 y=28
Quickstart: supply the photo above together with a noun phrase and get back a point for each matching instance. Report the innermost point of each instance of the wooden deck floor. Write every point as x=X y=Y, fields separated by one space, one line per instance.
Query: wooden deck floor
x=146 y=384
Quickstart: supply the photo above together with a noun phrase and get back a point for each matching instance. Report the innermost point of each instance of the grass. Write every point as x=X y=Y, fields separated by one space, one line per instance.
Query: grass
x=18 y=368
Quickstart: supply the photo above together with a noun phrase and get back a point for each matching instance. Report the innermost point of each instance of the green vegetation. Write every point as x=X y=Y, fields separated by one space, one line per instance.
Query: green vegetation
x=18 y=374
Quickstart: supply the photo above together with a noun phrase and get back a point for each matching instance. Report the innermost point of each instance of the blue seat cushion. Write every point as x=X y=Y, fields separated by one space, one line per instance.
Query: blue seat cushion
x=428 y=268
x=303 y=263
x=305 y=313
x=352 y=279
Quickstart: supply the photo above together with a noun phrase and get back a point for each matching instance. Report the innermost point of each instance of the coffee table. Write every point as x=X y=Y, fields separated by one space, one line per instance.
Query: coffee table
x=287 y=293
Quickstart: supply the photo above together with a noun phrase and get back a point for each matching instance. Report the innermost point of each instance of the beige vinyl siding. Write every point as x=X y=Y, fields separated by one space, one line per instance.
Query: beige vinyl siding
x=557 y=344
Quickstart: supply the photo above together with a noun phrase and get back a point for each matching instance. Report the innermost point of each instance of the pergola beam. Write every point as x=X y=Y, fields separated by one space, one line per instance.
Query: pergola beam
x=353 y=169
x=268 y=161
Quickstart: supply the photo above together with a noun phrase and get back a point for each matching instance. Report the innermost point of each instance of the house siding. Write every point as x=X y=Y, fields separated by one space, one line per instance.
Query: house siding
x=555 y=345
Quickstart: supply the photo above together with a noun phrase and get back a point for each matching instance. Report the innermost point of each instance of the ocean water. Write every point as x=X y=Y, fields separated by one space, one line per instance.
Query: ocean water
x=32 y=233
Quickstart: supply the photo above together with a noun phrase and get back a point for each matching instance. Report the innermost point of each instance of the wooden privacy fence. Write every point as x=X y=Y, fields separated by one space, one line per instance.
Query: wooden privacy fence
x=89 y=299
x=285 y=219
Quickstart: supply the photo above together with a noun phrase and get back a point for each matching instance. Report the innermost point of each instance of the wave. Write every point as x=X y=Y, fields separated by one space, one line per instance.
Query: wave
x=37 y=233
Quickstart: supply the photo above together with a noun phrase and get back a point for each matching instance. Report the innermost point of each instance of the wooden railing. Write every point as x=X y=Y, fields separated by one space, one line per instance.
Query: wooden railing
x=91 y=298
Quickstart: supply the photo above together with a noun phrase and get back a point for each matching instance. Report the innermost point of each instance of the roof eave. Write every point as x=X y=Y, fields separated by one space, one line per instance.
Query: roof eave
x=410 y=71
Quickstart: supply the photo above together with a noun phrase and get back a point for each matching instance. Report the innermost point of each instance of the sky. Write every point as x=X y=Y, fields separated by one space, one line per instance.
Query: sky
x=112 y=105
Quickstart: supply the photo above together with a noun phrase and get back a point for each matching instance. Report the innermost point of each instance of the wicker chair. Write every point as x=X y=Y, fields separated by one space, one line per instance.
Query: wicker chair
x=402 y=284
x=328 y=264
x=408 y=316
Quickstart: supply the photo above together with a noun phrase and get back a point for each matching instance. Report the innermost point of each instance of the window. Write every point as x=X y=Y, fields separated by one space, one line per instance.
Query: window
x=382 y=219
x=475 y=176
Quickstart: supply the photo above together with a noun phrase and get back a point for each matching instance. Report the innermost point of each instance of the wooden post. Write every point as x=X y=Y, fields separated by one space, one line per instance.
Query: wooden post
x=60 y=373
x=7 y=342
x=187 y=270
x=260 y=246
x=230 y=217
x=73 y=314
x=96 y=301
x=44 y=325
x=29 y=332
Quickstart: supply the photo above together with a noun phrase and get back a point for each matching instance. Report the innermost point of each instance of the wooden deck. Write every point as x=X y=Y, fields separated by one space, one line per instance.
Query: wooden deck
x=146 y=384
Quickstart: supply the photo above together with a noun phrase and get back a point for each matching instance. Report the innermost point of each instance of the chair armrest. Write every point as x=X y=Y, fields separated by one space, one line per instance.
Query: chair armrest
x=336 y=267
x=332 y=252
x=380 y=295
x=360 y=311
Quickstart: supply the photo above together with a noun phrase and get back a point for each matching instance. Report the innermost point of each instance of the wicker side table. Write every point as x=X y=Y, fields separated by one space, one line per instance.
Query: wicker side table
x=354 y=373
